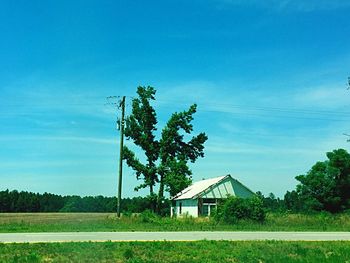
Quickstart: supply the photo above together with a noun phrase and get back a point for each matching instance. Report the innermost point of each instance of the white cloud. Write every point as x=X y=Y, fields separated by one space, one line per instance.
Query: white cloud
x=292 y=5
x=327 y=96
x=327 y=102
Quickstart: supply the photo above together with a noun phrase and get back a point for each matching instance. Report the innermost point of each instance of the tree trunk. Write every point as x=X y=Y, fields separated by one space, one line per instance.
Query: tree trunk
x=160 y=195
x=153 y=200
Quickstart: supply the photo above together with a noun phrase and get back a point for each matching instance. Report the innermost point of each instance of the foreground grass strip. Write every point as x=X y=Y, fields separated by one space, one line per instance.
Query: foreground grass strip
x=94 y=222
x=201 y=251
x=55 y=237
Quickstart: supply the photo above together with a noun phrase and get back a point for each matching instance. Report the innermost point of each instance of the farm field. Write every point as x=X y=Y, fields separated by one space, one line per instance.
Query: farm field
x=85 y=222
x=201 y=251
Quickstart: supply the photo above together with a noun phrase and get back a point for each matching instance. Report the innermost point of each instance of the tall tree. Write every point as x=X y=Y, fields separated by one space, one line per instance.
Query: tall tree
x=168 y=157
x=140 y=127
x=327 y=185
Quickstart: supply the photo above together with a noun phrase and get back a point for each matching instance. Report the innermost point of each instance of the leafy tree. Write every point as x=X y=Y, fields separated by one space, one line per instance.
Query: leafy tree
x=327 y=185
x=292 y=201
x=140 y=127
x=167 y=158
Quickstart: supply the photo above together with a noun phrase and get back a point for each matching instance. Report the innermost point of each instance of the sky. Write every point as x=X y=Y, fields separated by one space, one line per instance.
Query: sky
x=269 y=78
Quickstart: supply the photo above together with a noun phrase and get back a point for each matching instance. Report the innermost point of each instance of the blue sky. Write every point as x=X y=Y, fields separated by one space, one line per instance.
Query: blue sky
x=269 y=78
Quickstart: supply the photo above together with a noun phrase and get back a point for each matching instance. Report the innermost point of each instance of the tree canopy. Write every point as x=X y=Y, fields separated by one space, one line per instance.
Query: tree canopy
x=167 y=157
x=327 y=185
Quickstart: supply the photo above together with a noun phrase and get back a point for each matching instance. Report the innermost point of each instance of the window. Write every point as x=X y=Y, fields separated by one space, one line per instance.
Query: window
x=180 y=208
x=205 y=210
x=212 y=209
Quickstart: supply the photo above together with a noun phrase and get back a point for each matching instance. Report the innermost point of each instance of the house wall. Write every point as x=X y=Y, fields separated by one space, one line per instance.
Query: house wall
x=242 y=191
x=189 y=206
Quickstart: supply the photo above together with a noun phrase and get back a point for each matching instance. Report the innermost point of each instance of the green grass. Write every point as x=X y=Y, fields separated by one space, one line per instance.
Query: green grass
x=66 y=222
x=201 y=251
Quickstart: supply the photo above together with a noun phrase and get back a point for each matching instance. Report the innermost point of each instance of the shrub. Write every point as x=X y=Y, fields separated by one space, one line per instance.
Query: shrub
x=234 y=209
x=257 y=212
x=148 y=216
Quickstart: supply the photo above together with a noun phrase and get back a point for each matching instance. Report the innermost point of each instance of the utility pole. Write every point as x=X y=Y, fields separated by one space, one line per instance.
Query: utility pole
x=122 y=122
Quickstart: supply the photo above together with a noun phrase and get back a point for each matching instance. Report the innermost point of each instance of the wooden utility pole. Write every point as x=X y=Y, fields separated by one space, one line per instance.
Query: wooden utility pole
x=122 y=122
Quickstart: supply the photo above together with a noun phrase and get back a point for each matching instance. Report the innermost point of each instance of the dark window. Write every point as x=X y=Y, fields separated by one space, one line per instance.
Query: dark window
x=180 y=208
x=205 y=211
x=209 y=200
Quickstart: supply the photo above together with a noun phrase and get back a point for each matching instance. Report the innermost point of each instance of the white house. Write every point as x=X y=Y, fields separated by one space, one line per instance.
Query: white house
x=200 y=198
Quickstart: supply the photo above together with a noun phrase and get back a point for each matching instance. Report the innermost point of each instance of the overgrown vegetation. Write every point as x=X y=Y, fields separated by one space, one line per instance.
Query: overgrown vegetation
x=72 y=222
x=234 y=209
x=201 y=251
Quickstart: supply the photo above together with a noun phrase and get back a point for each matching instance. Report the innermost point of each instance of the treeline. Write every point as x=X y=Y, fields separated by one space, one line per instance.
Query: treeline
x=272 y=203
x=15 y=201
x=290 y=203
x=325 y=187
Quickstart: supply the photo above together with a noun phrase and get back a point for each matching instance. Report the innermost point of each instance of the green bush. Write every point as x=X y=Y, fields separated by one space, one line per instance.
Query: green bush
x=234 y=209
x=148 y=216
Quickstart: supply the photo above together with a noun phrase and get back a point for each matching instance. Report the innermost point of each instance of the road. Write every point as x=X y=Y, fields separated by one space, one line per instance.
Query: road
x=170 y=236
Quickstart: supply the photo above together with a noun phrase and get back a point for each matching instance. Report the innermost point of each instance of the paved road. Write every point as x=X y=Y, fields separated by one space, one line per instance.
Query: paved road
x=170 y=236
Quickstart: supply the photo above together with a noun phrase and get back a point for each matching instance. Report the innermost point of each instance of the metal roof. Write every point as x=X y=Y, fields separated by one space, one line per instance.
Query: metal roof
x=198 y=187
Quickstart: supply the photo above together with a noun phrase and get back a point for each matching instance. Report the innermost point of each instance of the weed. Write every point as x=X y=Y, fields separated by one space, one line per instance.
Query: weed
x=128 y=254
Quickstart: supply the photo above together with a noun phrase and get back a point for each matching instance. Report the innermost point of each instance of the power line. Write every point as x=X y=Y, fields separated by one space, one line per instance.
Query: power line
x=262 y=108
x=227 y=108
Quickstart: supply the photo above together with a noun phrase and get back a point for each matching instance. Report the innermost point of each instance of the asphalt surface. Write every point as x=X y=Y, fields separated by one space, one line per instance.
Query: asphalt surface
x=169 y=236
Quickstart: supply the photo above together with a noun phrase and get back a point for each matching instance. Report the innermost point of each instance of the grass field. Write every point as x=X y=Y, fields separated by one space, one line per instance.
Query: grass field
x=202 y=251
x=64 y=222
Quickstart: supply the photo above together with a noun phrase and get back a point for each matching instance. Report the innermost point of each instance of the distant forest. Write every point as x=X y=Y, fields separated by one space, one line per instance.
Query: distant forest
x=15 y=201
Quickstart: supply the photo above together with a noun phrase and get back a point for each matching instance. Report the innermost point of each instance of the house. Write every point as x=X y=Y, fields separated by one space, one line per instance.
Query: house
x=200 y=198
